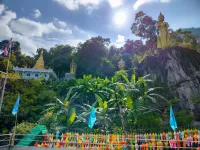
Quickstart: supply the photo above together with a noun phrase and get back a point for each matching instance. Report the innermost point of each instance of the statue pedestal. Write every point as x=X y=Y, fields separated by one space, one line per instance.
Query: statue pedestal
x=69 y=76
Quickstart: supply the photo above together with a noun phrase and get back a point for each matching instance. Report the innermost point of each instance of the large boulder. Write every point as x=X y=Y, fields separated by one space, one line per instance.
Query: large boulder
x=179 y=68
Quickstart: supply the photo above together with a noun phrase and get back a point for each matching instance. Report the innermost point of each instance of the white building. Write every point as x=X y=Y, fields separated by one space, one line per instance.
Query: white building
x=39 y=71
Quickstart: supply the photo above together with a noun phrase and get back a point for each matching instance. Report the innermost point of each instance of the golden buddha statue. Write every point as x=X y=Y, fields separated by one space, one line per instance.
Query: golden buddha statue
x=163 y=37
x=40 y=62
x=72 y=67
x=121 y=64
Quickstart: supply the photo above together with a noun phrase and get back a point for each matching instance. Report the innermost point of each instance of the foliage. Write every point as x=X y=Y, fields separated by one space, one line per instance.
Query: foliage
x=148 y=121
x=3 y=64
x=134 y=47
x=184 y=118
x=134 y=97
x=58 y=58
x=33 y=97
x=195 y=98
x=91 y=57
x=130 y=98
x=48 y=119
x=184 y=38
x=195 y=31
x=24 y=127
x=144 y=27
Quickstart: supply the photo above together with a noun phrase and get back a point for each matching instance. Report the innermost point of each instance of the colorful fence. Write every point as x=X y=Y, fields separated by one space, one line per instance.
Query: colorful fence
x=188 y=139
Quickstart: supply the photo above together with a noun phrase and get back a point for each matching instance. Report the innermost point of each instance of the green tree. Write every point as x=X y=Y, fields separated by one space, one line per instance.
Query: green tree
x=57 y=58
x=184 y=38
x=91 y=57
x=132 y=98
x=33 y=97
x=144 y=27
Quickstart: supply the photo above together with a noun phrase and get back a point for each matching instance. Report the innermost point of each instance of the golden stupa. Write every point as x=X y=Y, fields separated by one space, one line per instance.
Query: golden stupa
x=40 y=62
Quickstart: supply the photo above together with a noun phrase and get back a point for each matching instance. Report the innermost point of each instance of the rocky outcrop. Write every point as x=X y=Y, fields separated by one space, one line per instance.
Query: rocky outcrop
x=179 y=68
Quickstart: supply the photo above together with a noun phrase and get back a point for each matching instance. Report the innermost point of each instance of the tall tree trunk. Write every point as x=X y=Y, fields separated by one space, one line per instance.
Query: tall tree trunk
x=123 y=120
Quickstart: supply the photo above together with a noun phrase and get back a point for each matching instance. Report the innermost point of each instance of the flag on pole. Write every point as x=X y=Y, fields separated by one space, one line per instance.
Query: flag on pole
x=5 y=52
x=92 y=118
x=15 y=108
x=10 y=43
x=173 y=123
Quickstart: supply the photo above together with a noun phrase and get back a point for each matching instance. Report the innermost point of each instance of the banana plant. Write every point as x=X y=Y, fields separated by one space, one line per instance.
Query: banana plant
x=104 y=115
x=87 y=91
x=63 y=114
x=133 y=97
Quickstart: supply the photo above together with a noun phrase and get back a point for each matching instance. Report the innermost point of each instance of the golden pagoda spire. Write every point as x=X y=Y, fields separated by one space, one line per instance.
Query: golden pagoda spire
x=40 y=62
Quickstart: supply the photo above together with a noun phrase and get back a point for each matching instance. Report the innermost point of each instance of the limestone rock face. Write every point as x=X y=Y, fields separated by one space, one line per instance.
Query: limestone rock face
x=178 y=68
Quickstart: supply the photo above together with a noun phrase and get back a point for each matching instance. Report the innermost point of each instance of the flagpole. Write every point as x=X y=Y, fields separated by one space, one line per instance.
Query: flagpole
x=13 y=137
x=6 y=77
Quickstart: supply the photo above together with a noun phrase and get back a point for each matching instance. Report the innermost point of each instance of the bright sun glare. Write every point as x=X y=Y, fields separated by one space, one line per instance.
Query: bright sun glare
x=120 y=18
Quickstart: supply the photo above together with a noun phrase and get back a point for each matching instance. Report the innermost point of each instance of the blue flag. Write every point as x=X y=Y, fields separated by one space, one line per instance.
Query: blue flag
x=15 y=108
x=173 y=123
x=92 y=118
x=57 y=134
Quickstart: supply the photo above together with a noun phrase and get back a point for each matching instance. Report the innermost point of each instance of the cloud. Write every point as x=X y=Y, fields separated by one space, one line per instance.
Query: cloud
x=165 y=1
x=26 y=27
x=59 y=24
x=82 y=34
x=79 y=30
x=115 y=3
x=5 y=31
x=74 y=4
x=139 y=3
x=2 y=8
x=27 y=44
x=36 y=13
x=47 y=42
x=33 y=35
x=69 y=4
x=50 y=30
x=24 y=30
x=31 y=28
x=120 y=39
x=7 y=17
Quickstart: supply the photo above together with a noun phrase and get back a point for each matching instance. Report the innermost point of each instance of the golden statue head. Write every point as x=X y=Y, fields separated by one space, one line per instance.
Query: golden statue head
x=161 y=17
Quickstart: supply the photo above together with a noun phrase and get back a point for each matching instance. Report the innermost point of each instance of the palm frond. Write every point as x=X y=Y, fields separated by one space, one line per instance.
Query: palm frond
x=159 y=96
x=151 y=98
x=50 y=104
x=59 y=101
x=153 y=89
x=48 y=109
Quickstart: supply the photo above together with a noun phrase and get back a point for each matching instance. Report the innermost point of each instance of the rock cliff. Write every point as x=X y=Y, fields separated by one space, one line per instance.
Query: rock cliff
x=179 y=68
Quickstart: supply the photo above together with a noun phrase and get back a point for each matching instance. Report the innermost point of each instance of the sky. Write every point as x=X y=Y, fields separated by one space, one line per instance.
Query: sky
x=46 y=23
